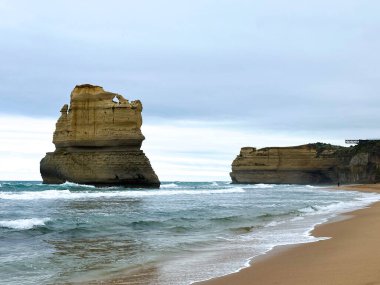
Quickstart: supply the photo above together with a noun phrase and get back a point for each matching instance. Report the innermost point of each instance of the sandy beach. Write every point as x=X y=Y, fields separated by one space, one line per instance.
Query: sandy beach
x=350 y=256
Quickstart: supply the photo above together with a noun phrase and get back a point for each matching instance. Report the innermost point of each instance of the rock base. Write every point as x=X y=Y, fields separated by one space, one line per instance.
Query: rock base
x=284 y=177
x=103 y=168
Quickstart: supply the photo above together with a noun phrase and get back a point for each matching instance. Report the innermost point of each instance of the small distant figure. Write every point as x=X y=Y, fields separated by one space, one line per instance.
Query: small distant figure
x=338 y=183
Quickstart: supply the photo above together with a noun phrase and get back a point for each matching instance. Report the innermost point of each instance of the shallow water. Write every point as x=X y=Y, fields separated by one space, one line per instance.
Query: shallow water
x=183 y=232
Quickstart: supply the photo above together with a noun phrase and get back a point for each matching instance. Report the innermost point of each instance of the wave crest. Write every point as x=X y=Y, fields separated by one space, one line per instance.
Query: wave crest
x=72 y=184
x=67 y=194
x=170 y=185
x=24 y=224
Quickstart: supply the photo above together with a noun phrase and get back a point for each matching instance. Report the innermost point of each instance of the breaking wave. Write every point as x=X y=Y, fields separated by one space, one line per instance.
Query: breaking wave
x=23 y=224
x=170 y=185
x=340 y=207
x=72 y=184
x=67 y=194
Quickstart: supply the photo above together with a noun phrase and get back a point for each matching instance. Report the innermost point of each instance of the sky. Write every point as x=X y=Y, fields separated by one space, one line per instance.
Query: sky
x=213 y=76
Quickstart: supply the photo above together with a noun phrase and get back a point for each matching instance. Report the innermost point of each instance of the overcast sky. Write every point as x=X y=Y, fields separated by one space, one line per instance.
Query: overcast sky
x=212 y=75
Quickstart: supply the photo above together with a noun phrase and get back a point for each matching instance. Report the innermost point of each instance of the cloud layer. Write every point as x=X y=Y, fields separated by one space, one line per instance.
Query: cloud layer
x=277 y=65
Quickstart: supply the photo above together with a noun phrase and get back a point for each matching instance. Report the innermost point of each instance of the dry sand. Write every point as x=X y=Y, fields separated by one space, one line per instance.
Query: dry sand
x=351 y=256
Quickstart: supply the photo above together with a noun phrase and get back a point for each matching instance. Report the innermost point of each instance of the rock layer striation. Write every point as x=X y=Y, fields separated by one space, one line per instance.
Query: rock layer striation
x=308 y=164
x=98 y=139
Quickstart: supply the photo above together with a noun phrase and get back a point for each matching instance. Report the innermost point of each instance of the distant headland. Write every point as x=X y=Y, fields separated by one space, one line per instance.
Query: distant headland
x=98 y=140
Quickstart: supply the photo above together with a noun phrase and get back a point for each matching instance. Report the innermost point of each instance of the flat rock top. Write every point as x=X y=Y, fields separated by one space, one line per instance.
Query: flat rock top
x=88 y=89
x=306 y=157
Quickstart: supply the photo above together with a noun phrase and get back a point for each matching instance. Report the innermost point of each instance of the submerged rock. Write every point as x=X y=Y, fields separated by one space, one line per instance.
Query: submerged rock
x=316 y=163
x=98 y=140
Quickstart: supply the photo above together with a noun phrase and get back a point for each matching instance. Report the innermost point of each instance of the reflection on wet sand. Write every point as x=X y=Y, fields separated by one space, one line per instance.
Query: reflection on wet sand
x=144 y=275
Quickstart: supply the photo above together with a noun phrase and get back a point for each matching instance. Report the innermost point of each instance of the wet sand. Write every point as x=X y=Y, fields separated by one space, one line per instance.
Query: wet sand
x=350 y=257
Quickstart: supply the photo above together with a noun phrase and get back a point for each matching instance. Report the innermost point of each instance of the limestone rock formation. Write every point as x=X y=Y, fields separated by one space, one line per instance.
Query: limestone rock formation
x=98 y=140
x=308 y=164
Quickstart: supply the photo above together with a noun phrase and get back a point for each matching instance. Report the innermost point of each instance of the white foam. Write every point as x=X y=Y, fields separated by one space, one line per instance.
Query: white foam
x=274 y=223
x=260 y=185
x=343 y=206
x=23 y=224
x=66 y=194
x=72 y=184
x=309 y=209
x=312 y=187
x=170 y=185
x=36 y=195
x=297 y=219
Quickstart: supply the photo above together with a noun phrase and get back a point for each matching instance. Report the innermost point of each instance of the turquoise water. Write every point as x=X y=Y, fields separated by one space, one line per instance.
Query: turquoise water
x=181 y=233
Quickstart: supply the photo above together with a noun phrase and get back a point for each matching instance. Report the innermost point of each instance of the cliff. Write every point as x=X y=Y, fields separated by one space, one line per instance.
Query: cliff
x=308 y=164
x=98 y=140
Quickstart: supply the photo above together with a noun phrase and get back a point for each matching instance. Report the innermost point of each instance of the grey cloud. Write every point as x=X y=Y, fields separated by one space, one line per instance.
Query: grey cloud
x=304 y=65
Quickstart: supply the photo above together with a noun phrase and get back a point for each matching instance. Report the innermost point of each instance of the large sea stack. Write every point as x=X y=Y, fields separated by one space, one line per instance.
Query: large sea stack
x=98 y=140
x=316 y=163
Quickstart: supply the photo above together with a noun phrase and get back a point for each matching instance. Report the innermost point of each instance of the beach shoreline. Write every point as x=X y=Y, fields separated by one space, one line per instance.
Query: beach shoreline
x=349 y=256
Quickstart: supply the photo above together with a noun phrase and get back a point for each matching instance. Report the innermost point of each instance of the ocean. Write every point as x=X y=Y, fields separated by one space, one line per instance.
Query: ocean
x=178 y=234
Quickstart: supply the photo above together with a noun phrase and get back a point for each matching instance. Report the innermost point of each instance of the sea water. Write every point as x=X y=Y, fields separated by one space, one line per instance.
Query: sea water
x=178 y=234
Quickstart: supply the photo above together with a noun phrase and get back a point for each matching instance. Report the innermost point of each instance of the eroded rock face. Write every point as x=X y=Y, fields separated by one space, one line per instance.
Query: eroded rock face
x=308 y=164
x=98 y=140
